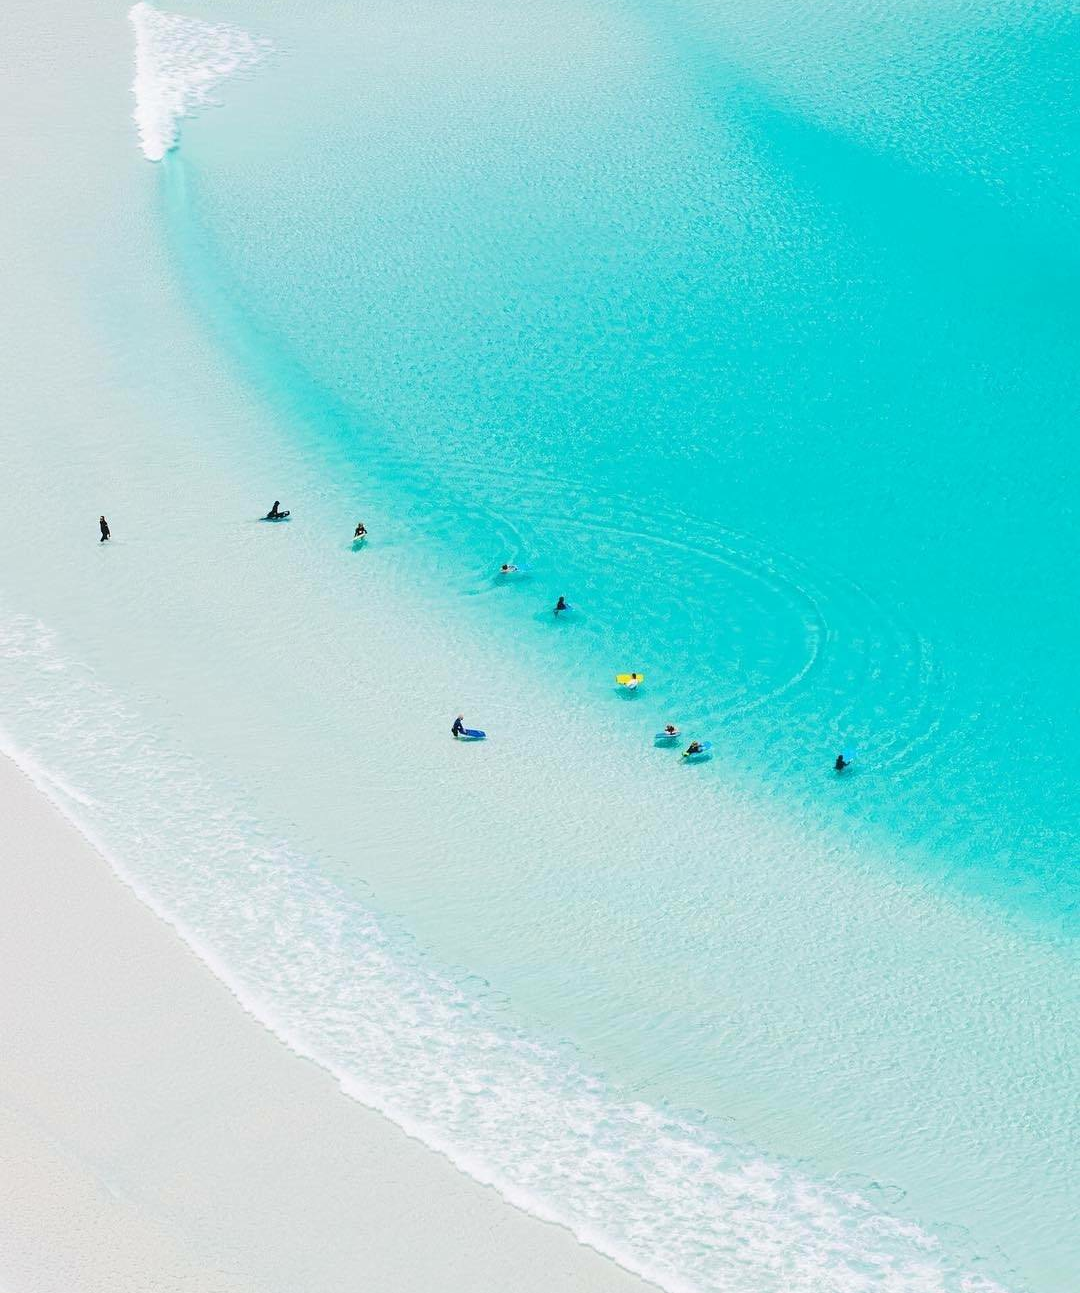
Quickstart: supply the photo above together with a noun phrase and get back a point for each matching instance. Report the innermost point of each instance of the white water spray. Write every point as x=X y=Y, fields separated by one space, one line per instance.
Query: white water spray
x=179 y=62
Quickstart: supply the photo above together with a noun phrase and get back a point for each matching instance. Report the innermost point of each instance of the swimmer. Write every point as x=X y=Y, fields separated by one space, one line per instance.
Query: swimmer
x=561 y=605
x=841 y=763
x=507 y=569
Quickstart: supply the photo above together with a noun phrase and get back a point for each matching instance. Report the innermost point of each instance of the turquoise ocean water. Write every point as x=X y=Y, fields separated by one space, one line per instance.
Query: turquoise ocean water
x=755 y=338
x=753 y=334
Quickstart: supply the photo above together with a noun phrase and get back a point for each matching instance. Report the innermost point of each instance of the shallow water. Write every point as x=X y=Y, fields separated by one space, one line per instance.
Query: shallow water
x=770 y=373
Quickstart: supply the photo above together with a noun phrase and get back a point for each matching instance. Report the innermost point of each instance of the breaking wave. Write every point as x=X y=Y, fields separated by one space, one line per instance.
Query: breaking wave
x=179 y=62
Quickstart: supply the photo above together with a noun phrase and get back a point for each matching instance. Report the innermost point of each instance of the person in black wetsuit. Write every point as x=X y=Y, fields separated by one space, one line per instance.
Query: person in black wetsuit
x=561 y=605
x=361 y=531
x=841 y=763
x=275 y=512
x=104 y=529
x=693 y=748
x=459 y=726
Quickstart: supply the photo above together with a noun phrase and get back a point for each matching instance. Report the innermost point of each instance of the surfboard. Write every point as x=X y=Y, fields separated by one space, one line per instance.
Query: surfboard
x=667 y=738
x=281 y=516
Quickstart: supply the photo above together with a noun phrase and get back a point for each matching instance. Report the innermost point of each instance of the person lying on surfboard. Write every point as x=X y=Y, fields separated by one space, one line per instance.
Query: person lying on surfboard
x=693 y=748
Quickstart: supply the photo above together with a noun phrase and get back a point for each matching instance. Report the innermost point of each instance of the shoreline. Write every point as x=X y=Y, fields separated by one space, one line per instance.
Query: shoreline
x=130 y=1073
x=145 y=712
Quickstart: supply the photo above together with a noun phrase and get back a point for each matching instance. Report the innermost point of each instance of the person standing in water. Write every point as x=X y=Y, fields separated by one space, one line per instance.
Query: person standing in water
x=841 y=763
x=561 y=605
x=459 y=726
x=104 y=529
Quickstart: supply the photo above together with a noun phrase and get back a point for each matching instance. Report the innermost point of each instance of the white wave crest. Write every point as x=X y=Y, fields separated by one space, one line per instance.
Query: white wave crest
x=178 y=64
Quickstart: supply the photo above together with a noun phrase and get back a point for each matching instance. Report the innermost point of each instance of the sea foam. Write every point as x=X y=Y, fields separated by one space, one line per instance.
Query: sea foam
x=178 y=64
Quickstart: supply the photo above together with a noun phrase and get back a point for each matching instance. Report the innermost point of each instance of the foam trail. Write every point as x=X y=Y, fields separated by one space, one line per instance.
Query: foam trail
x=178 y=64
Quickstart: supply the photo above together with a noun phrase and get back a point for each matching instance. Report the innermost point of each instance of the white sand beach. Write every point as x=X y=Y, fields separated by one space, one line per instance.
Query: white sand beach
x=153 y=1136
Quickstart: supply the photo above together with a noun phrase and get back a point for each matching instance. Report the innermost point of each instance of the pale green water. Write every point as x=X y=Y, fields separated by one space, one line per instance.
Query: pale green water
x=755 y=338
